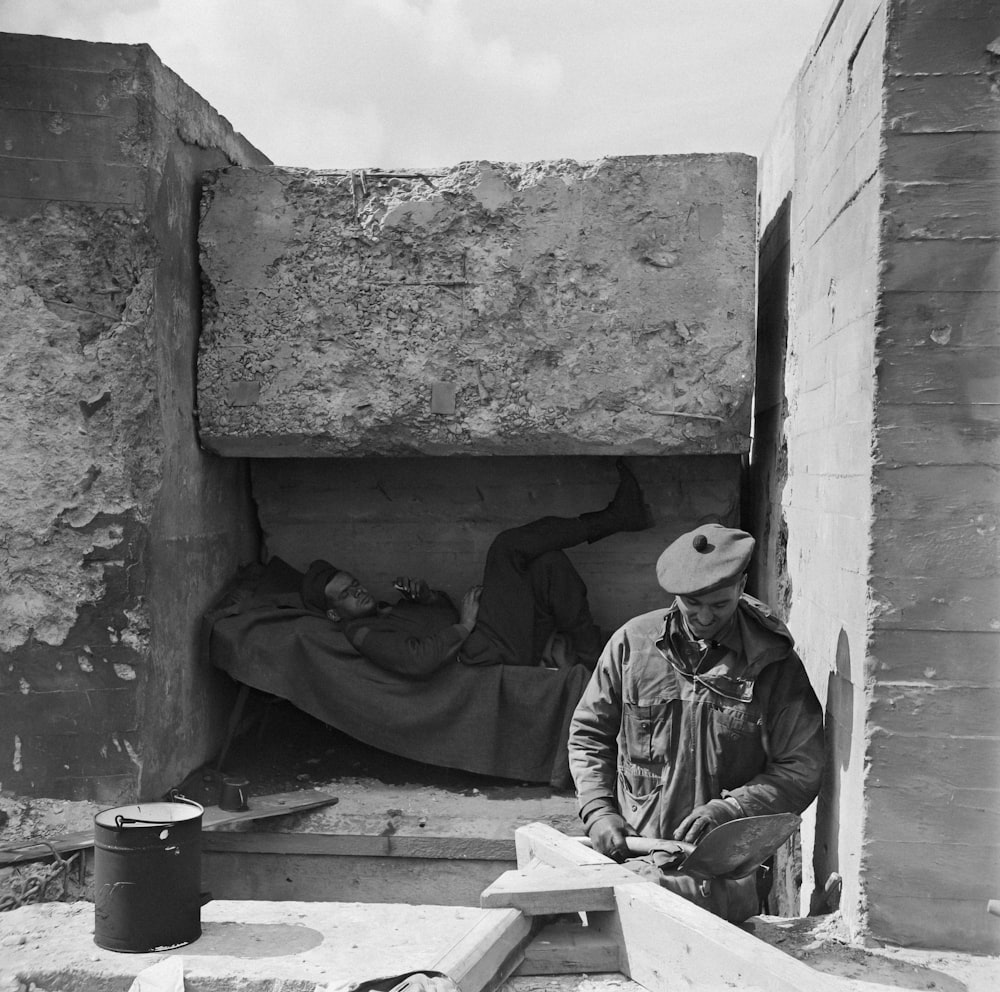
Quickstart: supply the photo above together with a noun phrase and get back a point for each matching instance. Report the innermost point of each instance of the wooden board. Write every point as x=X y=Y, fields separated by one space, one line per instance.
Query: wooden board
x=263 y=806
x=669 y=943
x=488 y=954
x=542 y=890
x=344 y=878
x=540 y=843
x=567 y=947
x=362 y=845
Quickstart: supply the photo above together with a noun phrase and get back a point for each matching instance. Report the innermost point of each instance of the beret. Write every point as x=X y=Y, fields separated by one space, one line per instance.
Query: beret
x=313 y=588
x=703 y=559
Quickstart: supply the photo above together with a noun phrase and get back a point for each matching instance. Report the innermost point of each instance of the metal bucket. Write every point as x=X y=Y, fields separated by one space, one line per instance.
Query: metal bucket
x=147 y=876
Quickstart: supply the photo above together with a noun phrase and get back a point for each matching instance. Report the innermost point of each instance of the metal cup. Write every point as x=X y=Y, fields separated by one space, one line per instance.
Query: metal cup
x=233 y=794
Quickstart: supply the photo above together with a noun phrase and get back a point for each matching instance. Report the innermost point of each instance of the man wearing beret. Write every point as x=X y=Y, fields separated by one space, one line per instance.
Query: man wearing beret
x=530 y=592
x=696 y=714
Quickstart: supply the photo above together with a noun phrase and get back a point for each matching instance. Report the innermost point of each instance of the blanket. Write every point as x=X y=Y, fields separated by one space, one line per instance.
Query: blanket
x=504 y=721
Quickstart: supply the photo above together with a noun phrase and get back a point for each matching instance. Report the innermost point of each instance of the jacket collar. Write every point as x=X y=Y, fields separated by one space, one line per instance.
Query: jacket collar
x=756 y=632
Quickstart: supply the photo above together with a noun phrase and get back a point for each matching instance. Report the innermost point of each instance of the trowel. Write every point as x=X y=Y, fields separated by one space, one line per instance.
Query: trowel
x=731 y=850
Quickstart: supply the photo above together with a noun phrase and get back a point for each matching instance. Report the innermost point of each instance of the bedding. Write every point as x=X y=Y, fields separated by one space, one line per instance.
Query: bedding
x=504 y=721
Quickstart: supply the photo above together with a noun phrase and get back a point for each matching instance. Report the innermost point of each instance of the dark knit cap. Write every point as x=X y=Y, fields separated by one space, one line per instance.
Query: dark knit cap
x=704 y=559
x=313 y=589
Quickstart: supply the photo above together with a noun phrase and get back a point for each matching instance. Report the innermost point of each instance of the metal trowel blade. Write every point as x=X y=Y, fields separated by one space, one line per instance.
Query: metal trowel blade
x=737 y=848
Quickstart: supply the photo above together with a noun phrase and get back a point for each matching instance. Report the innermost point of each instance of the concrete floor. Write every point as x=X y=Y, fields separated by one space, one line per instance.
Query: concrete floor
x=244 y=945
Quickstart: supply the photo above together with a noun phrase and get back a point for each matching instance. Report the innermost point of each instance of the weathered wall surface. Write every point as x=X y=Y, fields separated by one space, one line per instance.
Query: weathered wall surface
x=553 y=308
x=383 y=517
x=116 y=529
x=819 y=266
x=890 y=200
x=932 y=847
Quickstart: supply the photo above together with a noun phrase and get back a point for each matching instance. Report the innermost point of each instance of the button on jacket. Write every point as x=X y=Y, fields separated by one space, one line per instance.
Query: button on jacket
x=667 y=723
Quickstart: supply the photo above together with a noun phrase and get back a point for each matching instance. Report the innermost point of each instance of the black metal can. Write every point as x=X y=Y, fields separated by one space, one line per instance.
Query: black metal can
x=147 y=876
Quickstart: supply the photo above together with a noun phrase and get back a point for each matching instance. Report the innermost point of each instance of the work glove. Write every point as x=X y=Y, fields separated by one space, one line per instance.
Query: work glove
x=607 y=833
x=704 y=818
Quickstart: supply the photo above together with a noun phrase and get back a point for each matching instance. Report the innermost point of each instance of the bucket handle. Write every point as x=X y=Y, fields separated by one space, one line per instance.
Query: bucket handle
x=175 y=797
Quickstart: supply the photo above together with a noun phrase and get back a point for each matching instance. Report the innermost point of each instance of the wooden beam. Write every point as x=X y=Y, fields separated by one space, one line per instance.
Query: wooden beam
x=361 y=845
x=263 y=807
x=665 y=941
x=487 y=955
x=670 y=943
x=545 y=891
x=538 y=842
x=566 y=947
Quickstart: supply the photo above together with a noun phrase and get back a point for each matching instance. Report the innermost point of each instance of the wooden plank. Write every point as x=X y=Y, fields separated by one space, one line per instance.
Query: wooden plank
x=566 y=947
x=317 y=878
x=540 y=843
x=542 y=890
x=263 y=806
x=670 y=943
x=487 y=955
x=362 y=845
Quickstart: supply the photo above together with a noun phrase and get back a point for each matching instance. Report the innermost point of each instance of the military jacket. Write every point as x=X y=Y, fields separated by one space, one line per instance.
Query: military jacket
x=666 y=724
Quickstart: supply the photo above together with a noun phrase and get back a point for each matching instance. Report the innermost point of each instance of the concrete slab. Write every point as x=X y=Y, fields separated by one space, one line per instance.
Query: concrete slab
x=246 y=945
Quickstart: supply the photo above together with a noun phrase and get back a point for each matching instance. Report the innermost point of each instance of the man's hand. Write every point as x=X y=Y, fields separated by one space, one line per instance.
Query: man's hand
x=607 y=833
x=704 y=818
x=415 y=590
x=469 y=612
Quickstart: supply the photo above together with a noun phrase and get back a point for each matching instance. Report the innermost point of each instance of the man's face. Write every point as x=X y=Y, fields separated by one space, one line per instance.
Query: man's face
x=707 y=614
x=348 y=599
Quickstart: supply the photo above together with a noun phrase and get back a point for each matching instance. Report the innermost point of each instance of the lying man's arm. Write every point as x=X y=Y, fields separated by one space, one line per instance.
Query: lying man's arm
x=415 y=640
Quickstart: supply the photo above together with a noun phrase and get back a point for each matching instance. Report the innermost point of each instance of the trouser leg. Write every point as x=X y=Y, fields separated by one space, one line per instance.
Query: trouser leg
x=530 y=589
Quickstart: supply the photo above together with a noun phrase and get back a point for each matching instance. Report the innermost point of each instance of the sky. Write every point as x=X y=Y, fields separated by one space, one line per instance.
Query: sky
x=333 y=84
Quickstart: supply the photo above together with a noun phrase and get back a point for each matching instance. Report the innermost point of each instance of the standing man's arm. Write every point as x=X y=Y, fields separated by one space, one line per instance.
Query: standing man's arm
x=794 y=742
x=593 y=751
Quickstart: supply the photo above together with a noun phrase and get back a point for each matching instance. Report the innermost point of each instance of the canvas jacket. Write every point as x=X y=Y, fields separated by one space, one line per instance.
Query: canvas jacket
x=661 y=730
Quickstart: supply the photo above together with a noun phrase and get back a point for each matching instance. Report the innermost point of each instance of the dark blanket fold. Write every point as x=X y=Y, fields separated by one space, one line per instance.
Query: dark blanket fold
x=504 y=721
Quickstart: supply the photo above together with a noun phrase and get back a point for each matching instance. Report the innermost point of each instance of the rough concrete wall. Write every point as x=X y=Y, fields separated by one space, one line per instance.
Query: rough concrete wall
x=932 y=847
x=103 y=491
x=383 y=517
x=553 y=308
x=822 y=168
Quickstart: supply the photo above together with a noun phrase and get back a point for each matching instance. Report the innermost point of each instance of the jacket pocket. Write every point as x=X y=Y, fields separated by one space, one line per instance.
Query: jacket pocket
x=651 y=731
x=737 y=743
x=639 y=802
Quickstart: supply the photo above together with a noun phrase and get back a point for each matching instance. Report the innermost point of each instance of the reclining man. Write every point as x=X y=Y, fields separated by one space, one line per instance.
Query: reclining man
x=530 y=592
x=696 y=715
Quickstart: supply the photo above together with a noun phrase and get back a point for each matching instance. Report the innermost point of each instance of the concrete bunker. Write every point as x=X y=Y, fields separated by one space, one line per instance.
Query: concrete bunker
x=394 y=351
x=874 y=501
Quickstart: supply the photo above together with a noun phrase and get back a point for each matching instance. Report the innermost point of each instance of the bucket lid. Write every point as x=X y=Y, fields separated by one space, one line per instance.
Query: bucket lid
x=148 y=814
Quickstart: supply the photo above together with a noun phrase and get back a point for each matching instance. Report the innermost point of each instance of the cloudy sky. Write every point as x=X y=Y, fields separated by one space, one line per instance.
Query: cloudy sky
x=421 y=83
